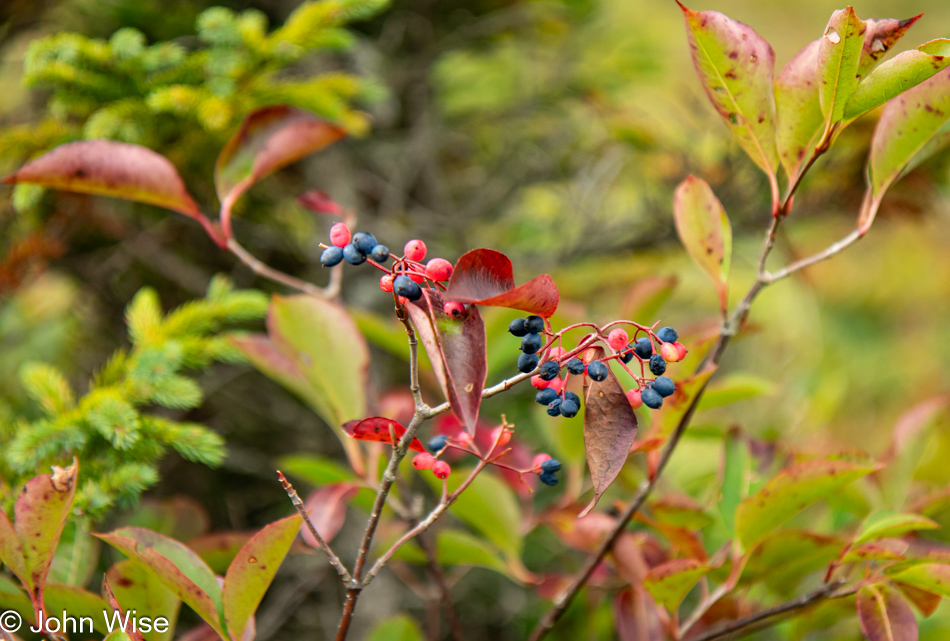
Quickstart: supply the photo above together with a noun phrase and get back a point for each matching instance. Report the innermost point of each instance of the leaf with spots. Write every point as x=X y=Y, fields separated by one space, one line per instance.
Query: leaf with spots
x=116 y=169
x=839 y=56
x=880 y=525
x=77 y=602
x=885 y=615
x=457 y=348
x=704 y=230
x=269 y=138
x=907 y=125
x=134 y=635
x=379 y=430
x=932 y=577
x=177 y=567
x=610 y=427
x=11 y=550
x=135 y=588
x=880 y=36
x=791 y=491
x=252 y=571
x=670 y=582
x=39 y=516
x=735 y=66
x=486 y=277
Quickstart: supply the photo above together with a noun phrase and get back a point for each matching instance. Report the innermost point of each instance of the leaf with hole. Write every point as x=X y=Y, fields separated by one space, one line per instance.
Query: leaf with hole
x=839 y=56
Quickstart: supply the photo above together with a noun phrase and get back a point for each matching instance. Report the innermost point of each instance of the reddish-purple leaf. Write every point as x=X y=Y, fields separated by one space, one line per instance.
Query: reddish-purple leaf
x=319 y=202
x=252 y=571
x=885 y=615
x=926 y=602
x=486 y=277
x=327 y=509
x=457 y=349
x=637 y=616
x=610 y=427
x=379 y=429
x=117 y=169
x=269 y=138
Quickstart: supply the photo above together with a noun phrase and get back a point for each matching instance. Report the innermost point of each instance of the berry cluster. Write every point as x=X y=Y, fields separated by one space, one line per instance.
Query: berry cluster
x=355 y=249
x=547 y=469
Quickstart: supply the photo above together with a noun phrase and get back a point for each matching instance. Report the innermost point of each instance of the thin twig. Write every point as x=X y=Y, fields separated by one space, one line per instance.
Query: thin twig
x=280 y=277
x=445 y=593
x=827 y=253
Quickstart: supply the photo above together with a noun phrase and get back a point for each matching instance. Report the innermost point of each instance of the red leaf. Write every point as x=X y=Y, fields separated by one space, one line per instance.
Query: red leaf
x=327 y=509
x=269 y=138
x=485 y=277
x=610 y=427
x=637 y=616
x=117 y=169
x=377 y=429
x=457 y=349
x=885 y=615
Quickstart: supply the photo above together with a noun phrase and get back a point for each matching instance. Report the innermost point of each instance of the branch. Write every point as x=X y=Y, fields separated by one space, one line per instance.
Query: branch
x=827 y=253
x=280 y=277
x=432 y=562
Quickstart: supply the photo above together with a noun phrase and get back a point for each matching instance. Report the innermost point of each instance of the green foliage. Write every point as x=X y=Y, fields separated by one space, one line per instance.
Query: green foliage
x=113 y=428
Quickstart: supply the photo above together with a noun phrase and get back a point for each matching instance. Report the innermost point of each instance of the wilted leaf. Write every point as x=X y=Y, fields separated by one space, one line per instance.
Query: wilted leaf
x=907 y=69
x=885 y=615
x=907 y=124
x=252 y=571
x=880 y=525
x=932 y=577
x=137 y=589
x=670 y=582
x=178 y=568
x=735 y=66
x=789 y=492
x=610 y=427
x=457 y=350
x=839 y=56
x=926 y=602
x=704 y=230
x=379 y=430
x=269 y=138
x=486 y=277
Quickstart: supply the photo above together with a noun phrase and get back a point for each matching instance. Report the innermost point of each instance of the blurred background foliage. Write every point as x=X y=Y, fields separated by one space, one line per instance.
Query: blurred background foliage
x=553 y=130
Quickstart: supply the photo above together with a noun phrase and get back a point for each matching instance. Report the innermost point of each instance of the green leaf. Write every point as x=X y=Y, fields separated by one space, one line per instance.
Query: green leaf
x=178 y=568
x=880 y=525
x=252 y=571
x=932 y=577
x=135 y=588
x=11 y=550
x=455 y=547
x=906 y=70
x=316 y=470
x=799 y=109
x=736 y=472
x=704 y=230
x=787 y=557
x=77 y=602
x=733 y=388
x=791 y=491
x=883 y=550
x=397 y=628
x=885 y=615
x=839 y=56
x=670 y=582
x=735 y=66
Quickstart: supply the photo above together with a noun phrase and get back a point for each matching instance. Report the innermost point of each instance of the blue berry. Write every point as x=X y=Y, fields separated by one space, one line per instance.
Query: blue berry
x=657 y=364
x=651 y=398
x=364 y=242
x=575 y=366
x=643 y=348
x=664 y=386
x=353 y=255
x=405 y=286
x=548 y=479
x=380 y=253
x=545 y=396
x=438 y=442
x=554 y=407
x=527 y=362
x=531 y=343
x=551 y=465
x=534 y=324
x=597 y=371
x=331 y=256
x=517 y=328
x=569 y=409
x=549 y=371
x=627 y=356
x=667 y=335
x=571 y=396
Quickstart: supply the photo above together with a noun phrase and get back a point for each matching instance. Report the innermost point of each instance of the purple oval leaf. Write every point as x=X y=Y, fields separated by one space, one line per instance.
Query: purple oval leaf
x=457 y=350
x=485 y=277
x=885 y=615
x=610 y=427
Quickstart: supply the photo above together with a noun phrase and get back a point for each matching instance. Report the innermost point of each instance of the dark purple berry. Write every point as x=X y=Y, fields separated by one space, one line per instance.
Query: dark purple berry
x=331 y=256
x=353 y=255
x=531 y=343
x=575 y=366
x=651 y=398
x=534 y=324
x=549 y=371
x=438 y=442
x=516 y=327
x=597 y=371
x=380 y=253
x=545 y=396
x=405 y=286
x=527 y=363
x=569 y=409
x=547 y=479
x=667 y=335
x=571 y=396
x=551 y=466
x=364 y=242
x=554 y=407
x=664 y=386
x=643 y=348
x=627 y=355
x=657 y=364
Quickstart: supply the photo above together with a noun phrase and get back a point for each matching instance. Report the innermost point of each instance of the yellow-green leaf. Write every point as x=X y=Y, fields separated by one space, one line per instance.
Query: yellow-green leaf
x=882 y=525
x=670 y=582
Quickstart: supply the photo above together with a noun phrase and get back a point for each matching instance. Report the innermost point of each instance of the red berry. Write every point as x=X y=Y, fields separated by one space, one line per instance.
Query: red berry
x=503 y=438
x=441 y=469
x=386 y=283
x=340 y=235
x=403 y=300
x=618 y=339
x=539 y=459
x=669 y=352
x=556 y=353
x=418 y=278
x=556 y=384
x=423 y=461
x=634 y=397
x=415 y=250
x=681 y=349
x=438 y=269
x=453 y=309
x=539 y=383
